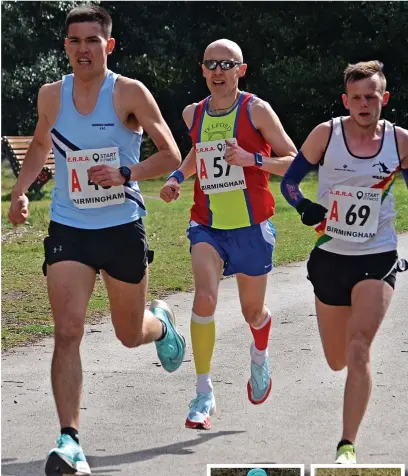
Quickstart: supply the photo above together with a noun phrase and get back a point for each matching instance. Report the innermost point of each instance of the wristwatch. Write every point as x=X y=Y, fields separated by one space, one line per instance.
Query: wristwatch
x=126 y=173
x=258 y=159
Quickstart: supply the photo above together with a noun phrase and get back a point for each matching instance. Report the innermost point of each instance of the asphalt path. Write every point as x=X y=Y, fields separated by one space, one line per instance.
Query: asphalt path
x=133 y=412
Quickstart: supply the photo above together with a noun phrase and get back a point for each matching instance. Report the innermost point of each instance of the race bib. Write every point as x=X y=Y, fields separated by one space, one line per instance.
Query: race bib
x=353 y=213
x=83 y=192
x=214 y=173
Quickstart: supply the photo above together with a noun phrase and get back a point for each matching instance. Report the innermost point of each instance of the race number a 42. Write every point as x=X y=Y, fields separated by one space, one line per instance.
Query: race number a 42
x=353 y=213
x=83 y=192
x=214 y=173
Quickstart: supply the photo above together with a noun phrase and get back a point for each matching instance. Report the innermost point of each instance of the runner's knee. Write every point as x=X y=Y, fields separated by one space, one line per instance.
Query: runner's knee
x=253 y=315
x=130 y=339
x=68 y=332
x=358 y=352
x=336 y=363
x=130 y=333
x=204 y=303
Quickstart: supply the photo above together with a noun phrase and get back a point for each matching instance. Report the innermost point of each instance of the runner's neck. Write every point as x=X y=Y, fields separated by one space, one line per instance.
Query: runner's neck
x=223 y=105
x=363 y=134
x=85 y=86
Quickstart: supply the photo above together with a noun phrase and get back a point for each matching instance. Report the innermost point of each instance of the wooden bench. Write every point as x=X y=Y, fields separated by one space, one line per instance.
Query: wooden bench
x=14 y=148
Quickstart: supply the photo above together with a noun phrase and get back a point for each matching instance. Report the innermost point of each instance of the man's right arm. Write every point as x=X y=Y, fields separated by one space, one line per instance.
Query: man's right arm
x=171 y=189
x=39 y=148
x=35 y=157
x=188 y=167
x=306 y=160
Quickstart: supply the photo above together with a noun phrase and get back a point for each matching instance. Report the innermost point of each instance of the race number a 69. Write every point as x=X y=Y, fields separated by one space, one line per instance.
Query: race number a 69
x=353 y=213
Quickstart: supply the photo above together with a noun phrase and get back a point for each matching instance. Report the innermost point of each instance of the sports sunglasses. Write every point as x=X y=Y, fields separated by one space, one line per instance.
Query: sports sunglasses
x=224 y=64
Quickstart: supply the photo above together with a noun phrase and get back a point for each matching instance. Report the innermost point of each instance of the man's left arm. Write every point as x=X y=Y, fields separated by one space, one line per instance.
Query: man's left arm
x=147 y=113
x=269 y=125
x=402 y=144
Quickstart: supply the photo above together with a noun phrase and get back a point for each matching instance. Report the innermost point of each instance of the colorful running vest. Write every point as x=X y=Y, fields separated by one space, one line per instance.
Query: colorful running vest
x=357 y=191
x=228 y=197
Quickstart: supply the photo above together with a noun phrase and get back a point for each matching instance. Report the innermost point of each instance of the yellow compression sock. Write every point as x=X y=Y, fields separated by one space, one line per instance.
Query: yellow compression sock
x=202 y=331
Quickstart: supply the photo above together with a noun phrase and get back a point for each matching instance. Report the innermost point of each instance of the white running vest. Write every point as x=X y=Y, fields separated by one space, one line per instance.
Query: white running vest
x=357 y=191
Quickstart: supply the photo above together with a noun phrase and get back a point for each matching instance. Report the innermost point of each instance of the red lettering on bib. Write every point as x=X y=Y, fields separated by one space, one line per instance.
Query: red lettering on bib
x=75 y=182
x=334 y=212
x=203 y=170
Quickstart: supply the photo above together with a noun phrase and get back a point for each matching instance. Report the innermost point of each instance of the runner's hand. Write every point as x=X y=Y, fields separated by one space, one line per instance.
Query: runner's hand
x=18 y=213
x=311 y=213
x=236 y=155
x=105 y=176
x=170 y=190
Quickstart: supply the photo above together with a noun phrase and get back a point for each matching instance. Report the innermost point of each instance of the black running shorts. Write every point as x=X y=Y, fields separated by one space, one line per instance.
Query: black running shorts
x=333 y=275
x=121 y=251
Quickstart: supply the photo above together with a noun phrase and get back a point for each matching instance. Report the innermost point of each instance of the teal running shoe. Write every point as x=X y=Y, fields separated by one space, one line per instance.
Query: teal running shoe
x=257 y=472
x=346 y=454
x=172 y=347
x=260 y=384
x=201 y=409
x=67 y=458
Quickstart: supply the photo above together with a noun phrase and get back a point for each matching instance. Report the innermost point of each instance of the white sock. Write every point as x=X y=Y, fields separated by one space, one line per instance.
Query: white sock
x=204 y=384
x=266 y=320
x=259 y=356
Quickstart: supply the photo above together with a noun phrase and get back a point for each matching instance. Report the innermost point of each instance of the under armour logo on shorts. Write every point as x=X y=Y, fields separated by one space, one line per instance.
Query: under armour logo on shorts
x=57 y=248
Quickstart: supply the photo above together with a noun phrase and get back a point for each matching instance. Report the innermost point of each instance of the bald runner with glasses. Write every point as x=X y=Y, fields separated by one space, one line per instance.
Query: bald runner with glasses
x=233 y=133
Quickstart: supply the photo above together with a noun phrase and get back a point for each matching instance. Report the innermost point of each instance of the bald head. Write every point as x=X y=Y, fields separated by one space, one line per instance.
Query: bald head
x=229 y=46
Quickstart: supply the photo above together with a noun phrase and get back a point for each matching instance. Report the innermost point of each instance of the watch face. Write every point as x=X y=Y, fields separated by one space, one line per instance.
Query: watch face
x=125 y=172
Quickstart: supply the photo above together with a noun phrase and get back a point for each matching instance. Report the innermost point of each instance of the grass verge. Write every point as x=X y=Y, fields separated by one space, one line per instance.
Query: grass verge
x=25 y=309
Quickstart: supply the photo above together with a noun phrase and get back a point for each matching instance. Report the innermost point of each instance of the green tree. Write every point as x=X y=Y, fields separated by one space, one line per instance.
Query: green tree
x=296 y=52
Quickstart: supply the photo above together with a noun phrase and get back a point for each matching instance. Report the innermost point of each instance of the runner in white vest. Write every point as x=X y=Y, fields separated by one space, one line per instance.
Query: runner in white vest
x=354 y=264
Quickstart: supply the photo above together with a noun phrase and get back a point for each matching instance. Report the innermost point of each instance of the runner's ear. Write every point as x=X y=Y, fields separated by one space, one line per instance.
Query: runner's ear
x=111 y=45
x=242 y=70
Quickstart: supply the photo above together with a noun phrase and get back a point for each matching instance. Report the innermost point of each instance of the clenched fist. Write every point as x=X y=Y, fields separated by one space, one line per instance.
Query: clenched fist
x=170 y=190
x=105 y=176
x=236 y=155
x=18 y=213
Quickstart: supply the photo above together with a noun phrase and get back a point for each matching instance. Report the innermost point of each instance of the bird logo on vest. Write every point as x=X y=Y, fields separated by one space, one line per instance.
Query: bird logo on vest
x=383 y=169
